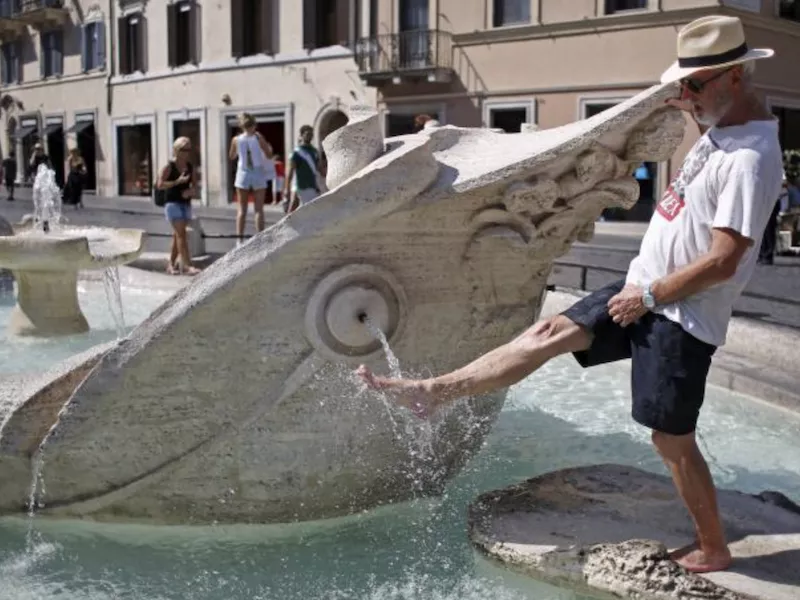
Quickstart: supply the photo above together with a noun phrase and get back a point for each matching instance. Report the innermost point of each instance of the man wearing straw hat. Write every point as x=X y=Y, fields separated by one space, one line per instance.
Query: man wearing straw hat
x=671 y=312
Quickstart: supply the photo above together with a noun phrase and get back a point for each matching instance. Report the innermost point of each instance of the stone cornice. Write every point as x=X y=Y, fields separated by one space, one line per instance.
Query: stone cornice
x=618 y=22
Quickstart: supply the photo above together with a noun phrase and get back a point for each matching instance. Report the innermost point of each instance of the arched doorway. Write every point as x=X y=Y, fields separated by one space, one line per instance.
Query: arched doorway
x=330 y=122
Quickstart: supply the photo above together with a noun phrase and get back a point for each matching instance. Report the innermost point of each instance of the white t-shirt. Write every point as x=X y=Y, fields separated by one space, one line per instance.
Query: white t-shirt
x=731 y=179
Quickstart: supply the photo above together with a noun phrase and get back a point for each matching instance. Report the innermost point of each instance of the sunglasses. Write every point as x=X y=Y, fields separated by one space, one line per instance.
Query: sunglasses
x=697 y=87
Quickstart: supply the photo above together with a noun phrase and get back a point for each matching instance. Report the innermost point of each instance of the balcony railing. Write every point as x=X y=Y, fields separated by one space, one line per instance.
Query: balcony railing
x=42 y=13
x=422 y=51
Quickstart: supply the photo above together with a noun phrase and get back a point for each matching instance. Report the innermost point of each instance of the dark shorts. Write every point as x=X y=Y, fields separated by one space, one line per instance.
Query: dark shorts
x=669 y=366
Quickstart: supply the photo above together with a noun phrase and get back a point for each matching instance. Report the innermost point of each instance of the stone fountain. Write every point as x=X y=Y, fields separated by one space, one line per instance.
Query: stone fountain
x=235 y=401
x=46 y=256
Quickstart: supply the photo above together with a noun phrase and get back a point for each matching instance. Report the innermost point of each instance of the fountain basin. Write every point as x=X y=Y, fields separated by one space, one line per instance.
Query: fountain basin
x=46 y=266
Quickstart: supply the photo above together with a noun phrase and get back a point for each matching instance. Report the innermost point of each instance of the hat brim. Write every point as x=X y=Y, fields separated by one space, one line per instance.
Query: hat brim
x=676 y=72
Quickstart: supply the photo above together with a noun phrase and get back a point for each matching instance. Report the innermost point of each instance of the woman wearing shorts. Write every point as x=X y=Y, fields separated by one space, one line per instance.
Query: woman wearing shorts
x=177 y=181
x=252 y=152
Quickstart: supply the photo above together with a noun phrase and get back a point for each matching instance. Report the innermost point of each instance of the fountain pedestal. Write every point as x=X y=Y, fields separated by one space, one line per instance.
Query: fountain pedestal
x=46 y=267
x=47 y=304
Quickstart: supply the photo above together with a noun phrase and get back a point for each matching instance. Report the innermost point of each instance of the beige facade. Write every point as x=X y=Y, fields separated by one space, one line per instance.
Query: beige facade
x=554 y=61
x=270 y=58
x=131 y=75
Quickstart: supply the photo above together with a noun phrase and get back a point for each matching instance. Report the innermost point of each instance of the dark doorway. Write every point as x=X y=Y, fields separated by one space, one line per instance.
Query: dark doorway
x=85 y=143
x=273 y=130
x=54 y=135
x=509 y=120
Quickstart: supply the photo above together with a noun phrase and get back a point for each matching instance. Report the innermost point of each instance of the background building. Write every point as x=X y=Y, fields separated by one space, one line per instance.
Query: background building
x=122 y=78
x=501 y=63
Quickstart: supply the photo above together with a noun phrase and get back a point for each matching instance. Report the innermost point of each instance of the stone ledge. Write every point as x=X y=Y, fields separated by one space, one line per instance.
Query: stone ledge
x=591 y=529
x=756 y=361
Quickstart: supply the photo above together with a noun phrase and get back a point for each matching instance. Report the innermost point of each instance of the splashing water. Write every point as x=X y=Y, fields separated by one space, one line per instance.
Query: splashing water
x=46 y=200
x=113 y=291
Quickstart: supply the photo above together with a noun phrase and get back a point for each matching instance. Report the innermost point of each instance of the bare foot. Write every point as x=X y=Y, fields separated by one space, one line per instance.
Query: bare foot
x=191 y=271
x=172 y=269
x=683 y=551
x=405 y=392
x=698 y=561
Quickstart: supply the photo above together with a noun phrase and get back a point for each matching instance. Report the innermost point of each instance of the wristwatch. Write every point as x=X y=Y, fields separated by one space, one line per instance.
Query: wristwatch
x=648 y=299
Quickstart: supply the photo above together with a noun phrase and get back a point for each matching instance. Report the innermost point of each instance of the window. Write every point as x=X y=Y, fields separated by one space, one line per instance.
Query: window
x=789 y=9
x=183 y=38
x=327 y=23
x=788 y=126
x=51 y=60
x=614 y=6
x=510 y=119
x=93 y=46
x=131 y=44
x=511 y=12
x=253 y=27
x=11 y=63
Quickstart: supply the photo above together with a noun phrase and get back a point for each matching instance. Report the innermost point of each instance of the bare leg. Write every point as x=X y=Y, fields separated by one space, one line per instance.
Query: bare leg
x=258 y=207
x=500 y=368
x=183 y=249
x=696 y=488
x=173 y=252
x=241 y=215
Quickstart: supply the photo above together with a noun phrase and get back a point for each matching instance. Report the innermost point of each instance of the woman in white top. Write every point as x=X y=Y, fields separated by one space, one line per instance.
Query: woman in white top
x=253 y=152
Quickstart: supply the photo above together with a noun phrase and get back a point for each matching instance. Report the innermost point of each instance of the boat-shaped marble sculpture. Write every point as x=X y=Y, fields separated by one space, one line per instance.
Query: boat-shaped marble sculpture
x=235 y=401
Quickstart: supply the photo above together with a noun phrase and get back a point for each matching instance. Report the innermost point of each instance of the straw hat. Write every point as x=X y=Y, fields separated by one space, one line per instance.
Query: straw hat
x=710 y=43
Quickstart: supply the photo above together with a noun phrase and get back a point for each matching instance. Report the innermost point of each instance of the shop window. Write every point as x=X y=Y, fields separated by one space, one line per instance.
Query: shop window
x=134 y=160
x=190 y=128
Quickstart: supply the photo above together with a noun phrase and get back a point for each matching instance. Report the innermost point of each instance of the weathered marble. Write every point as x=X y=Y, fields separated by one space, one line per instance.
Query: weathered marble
x=594 y=529
x=46 y=266
x=6 y=277
x=235 y=401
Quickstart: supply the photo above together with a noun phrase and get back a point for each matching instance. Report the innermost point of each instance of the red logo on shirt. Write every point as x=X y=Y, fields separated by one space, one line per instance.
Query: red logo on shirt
x=671 y=204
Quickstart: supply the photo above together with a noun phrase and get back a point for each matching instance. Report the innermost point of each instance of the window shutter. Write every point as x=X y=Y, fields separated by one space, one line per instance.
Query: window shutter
x=4 y=66
x=342 y=19
x=237 y=23
x=124 y=49
x=43 y=52
x=195 y=35
x=85 y=36
x=265 y=18
x=58 y=52
x=172 y=34
x=309 y=25
x=141 y=58
x=100 y=44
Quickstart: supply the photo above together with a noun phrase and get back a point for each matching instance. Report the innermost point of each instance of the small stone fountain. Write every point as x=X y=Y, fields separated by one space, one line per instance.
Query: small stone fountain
x=46 y=256
x=235 y=401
